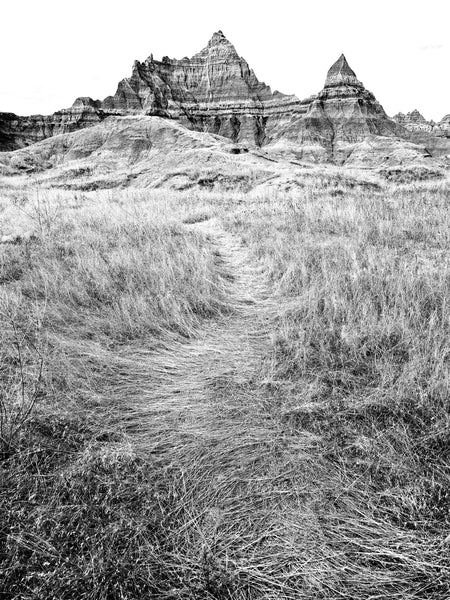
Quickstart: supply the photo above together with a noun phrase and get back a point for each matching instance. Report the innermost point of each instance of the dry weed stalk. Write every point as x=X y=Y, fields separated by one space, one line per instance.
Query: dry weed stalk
x=22 y=386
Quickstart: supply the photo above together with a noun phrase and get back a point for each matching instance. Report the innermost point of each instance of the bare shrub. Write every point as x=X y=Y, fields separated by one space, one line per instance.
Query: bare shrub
x=21 y=363
x=410 y=175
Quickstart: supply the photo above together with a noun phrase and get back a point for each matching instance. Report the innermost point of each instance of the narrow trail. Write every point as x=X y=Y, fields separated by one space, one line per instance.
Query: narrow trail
x=236 y=476
x=192 y=384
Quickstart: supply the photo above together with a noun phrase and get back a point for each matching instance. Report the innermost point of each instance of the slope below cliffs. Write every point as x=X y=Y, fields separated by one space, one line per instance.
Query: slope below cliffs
x=143 y=151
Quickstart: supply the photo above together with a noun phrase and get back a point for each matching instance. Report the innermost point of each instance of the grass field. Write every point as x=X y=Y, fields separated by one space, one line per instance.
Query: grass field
x=325 y=474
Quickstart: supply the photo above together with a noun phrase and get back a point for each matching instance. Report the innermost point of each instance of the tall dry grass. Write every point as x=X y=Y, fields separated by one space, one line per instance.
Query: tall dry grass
x=102 y=275
x=360 y=359
x=325 y=471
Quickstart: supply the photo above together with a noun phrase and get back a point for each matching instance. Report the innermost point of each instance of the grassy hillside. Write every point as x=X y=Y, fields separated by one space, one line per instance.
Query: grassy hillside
x=324 y=471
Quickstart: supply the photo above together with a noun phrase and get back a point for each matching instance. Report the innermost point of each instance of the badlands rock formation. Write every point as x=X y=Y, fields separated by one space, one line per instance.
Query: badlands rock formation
x=435 y=136
x=414 y=121
x=216 y=92
x=343 y=114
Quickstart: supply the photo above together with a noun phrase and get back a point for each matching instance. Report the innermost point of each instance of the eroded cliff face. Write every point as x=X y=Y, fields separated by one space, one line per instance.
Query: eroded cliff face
x=216 y=75
x=343 y=114
x=217 y=92
x=18 y=132
x=214 y=91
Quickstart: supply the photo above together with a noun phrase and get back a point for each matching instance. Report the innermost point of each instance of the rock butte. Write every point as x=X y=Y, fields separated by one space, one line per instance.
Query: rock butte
x=217 y=92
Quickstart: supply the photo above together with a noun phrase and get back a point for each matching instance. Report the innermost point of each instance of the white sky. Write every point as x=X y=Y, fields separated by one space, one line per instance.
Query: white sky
x=53 y=51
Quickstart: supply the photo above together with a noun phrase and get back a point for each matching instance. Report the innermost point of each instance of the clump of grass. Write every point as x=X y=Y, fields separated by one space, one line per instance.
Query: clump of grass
x=410 y=174
x=196 y=217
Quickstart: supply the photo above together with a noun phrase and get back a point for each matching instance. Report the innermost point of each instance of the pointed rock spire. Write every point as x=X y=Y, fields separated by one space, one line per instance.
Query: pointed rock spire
x=219 y=43
x=218 y=39
x=218 y=46
x=416 y=116
x=341 y=74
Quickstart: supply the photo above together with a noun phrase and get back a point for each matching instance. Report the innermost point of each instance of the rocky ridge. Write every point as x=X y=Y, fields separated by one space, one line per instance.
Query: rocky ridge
x=18 y=132
x=415 y=121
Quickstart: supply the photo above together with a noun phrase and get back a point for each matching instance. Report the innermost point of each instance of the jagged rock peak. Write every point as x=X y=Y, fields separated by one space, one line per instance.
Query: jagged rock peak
x=417 y=116
x=218 y=47
x=341 y=74
x=412 y=118
x=217 y=39
x=416 y=122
